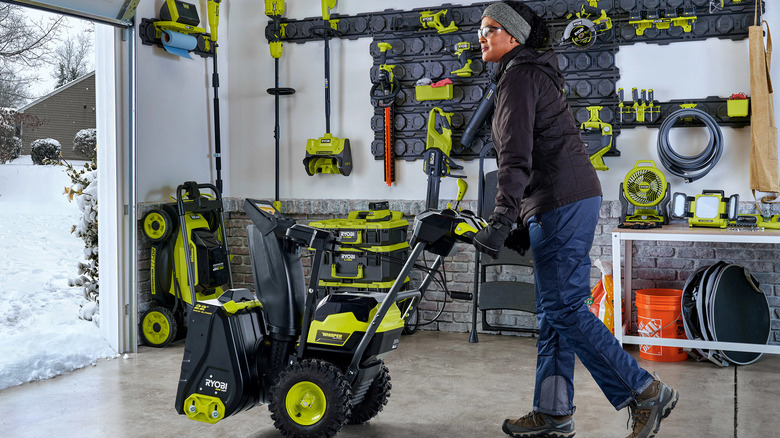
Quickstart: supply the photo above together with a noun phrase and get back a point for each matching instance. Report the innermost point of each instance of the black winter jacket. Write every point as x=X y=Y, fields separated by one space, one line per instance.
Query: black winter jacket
x=542 y=160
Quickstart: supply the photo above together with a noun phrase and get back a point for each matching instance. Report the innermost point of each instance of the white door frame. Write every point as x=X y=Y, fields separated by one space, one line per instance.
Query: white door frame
x=117 y=232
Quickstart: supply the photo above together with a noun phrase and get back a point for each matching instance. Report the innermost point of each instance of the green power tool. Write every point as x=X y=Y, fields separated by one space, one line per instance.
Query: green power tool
x=384 y=93
x=437 y=163
x=462 y=50
x=328 y=154
x=597 y=136
x=427 y=20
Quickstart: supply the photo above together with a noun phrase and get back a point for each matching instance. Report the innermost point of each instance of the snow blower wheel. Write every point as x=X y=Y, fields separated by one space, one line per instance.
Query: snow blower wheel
x=158 y=225
x=158 y=326
x=312 y=398
x=374 y=400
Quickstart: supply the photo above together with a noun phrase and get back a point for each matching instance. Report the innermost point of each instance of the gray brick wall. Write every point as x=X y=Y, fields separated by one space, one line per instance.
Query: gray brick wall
x=655 y=264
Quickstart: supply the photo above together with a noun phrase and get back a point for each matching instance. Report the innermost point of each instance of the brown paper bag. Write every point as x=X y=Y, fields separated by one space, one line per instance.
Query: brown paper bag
x=763 y=132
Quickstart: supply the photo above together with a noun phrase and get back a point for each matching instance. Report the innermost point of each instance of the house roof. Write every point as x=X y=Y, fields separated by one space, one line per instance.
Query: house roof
x=57 y=91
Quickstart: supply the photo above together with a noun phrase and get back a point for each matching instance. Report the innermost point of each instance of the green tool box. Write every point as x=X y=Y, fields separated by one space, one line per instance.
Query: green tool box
x=373 y=247
x=364 y=265
x=379 y=226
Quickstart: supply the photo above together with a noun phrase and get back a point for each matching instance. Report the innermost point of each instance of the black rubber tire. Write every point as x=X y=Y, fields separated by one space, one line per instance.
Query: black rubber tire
x=375 y=399
x=157 y=225
x=325 y=377
x=158 y=327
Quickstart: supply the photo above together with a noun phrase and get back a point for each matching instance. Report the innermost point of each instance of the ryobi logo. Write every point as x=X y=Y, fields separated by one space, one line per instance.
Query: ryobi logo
x=347 y=234
x=194 y=217
x=216 y=384
x=325 y=140
x=426 y=19
x=348 y=257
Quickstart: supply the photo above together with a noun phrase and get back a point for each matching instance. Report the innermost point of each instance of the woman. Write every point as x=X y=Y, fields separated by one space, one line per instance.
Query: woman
x=545 y=180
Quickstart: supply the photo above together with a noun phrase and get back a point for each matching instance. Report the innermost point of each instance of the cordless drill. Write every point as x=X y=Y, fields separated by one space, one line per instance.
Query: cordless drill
x=462 y=50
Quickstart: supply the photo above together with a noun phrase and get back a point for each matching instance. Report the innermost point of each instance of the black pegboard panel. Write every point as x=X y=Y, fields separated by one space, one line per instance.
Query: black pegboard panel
x=712 y=105
x=590 y=74
x=729 y=22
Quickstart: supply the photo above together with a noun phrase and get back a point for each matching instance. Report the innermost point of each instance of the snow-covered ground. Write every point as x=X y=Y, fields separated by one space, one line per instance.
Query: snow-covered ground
x=41 y=335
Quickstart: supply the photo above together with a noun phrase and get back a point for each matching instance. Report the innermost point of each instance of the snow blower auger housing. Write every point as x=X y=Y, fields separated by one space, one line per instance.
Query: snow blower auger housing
x=198 y=216
x=317 y=361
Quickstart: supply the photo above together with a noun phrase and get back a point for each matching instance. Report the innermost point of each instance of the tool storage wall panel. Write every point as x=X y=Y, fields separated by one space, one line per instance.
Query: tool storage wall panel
x=591 y=74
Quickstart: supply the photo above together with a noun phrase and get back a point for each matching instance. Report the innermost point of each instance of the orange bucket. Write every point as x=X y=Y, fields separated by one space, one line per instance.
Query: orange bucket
x=659 y=314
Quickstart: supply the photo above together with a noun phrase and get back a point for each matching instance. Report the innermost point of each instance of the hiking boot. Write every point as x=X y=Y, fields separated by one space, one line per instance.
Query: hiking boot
x=537 y=424
x=653 y=405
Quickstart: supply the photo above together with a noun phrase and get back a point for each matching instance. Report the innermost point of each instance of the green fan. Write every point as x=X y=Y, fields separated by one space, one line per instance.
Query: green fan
x=644 y=195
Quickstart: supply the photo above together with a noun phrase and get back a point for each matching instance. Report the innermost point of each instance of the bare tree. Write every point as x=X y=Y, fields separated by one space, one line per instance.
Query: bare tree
x=13 y=90
x=24 y=44
x=73 y=58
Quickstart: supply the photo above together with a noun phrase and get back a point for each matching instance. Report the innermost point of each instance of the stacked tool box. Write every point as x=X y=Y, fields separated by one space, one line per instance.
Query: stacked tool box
x=372 y=252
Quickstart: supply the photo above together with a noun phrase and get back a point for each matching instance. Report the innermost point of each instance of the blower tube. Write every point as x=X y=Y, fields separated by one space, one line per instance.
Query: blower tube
x=694 y=167
x=484 y=110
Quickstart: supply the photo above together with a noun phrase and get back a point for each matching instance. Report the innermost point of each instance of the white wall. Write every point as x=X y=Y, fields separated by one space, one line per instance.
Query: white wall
x=174 y=124
x=175 y=112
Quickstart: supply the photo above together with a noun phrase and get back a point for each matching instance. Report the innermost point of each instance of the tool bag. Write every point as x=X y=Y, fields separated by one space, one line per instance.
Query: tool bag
x=763 y=132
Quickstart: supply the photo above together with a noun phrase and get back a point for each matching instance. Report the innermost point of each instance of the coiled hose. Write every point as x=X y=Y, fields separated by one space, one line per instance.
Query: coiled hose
x=693 y=167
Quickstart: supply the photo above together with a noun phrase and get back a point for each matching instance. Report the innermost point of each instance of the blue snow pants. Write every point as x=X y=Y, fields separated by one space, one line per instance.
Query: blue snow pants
x=561 y=240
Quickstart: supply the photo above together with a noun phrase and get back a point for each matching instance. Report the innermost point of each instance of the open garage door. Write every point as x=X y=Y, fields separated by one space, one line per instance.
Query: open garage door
x=115 y=121
x=113 y=12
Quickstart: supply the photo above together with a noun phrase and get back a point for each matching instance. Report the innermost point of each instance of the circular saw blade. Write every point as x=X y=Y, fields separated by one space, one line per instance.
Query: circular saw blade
x=580 y=32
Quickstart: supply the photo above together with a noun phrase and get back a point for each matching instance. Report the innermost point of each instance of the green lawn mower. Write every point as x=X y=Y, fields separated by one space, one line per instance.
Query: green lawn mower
x=203 y=262
x=317 y=361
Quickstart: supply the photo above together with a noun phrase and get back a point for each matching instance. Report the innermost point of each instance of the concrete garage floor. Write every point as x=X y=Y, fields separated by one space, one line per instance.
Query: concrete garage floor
x=442 y=387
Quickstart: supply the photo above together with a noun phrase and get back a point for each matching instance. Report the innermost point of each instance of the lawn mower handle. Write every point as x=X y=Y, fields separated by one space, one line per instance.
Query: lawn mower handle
x=199 y=204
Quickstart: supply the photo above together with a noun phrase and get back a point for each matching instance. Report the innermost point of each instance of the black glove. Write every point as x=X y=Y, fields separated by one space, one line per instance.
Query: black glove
x=491 y=239
x=519 y=240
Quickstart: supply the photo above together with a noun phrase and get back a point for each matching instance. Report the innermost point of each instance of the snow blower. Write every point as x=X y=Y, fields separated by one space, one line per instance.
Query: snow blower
x=198 y=217
x=327 y=154
x=317 y=361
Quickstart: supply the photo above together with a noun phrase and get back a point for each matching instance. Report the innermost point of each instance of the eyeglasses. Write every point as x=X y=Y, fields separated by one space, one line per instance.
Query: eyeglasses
x=487 y=30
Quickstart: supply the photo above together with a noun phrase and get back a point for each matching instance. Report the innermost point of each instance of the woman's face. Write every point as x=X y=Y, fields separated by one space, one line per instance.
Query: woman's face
x=496 y=42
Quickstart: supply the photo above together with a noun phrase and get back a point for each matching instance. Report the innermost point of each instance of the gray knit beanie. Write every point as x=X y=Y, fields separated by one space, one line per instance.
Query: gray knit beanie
x=512 y=21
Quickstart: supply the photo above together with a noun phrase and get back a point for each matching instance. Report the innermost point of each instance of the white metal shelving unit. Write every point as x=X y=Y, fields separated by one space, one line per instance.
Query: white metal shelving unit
x=676 y=233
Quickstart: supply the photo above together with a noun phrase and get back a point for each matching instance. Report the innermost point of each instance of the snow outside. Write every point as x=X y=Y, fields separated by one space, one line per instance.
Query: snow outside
x=41 y=334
